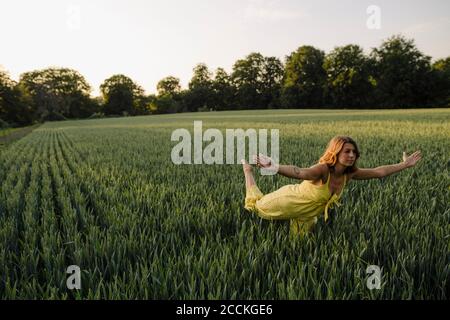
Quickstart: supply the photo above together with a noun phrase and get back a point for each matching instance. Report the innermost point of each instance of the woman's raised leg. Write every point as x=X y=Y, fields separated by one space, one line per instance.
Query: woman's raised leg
x=248 y=172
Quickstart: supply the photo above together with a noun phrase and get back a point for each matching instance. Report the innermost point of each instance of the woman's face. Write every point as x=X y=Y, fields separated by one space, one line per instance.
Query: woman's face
x=347 y=156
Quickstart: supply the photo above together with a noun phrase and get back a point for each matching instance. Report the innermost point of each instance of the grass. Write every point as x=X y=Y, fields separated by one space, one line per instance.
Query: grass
x=104 y=195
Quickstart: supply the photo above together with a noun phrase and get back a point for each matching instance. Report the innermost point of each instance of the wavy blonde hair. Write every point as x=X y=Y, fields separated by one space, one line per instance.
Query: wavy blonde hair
x=335 y=146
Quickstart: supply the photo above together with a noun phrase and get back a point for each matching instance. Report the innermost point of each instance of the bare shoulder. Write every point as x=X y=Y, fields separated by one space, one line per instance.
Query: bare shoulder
x=323 y=171
x=313 y=173
x=322 y=167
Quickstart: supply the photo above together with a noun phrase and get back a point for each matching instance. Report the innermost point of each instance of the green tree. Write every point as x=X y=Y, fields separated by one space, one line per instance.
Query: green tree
x=170 y=97
x=402 y=74
x=441 y=84
x=304 y=78
x=15 y=105
x=200 y=94
x=168 y=86
x=257 y=81
x=122 y=96
x=223 y=91
x=348 y=81
x=272 y=79
x=57 y=93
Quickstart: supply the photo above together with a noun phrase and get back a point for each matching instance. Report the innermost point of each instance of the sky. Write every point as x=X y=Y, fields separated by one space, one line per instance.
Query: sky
x=148 y=40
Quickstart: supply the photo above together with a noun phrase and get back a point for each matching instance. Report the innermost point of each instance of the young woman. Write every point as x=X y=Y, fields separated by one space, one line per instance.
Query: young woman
x=322 y=186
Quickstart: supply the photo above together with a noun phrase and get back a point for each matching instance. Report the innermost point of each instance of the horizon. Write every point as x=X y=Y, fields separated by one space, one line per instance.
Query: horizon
x=66 y=33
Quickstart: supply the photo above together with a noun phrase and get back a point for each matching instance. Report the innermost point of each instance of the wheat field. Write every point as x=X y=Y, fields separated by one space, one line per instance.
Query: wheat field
x=104 y=195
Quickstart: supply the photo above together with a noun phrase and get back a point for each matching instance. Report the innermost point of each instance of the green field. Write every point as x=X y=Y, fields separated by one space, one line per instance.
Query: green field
x=105 y=195
x=7 y=131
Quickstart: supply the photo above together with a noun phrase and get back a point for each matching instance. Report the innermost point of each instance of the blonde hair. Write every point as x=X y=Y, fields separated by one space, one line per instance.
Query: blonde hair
x=335 y=146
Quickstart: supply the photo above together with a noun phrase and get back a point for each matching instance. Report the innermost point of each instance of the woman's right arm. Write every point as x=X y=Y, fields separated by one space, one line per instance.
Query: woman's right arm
x=313 y=173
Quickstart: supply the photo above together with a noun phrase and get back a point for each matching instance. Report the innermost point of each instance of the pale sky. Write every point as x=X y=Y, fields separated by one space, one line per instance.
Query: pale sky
x=148 y=40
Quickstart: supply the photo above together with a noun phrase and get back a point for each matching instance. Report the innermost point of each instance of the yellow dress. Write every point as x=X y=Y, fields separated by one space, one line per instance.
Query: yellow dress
x=301 y=203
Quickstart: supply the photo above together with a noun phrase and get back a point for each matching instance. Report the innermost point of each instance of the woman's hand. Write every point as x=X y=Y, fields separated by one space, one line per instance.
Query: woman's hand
x=262 y=161
x=410 y=161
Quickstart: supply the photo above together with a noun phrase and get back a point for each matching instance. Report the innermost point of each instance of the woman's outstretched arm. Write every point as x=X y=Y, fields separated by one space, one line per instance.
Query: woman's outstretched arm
x=387 y=170
x=313 y=173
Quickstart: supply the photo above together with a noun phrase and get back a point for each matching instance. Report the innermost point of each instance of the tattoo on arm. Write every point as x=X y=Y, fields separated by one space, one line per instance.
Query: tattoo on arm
x=297 y=171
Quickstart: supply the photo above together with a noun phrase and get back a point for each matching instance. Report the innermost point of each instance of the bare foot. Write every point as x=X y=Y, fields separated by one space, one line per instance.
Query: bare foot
x=246 y=167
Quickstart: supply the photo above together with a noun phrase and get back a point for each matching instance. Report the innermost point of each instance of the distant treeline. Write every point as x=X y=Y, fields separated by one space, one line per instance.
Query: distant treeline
x=395 y=75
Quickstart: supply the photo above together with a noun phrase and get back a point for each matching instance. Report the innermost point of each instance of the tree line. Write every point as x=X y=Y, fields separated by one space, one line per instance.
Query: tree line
x=394 y=75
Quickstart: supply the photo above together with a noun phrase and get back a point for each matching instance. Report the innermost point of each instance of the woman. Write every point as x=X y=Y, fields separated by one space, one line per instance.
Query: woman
x=323 y=186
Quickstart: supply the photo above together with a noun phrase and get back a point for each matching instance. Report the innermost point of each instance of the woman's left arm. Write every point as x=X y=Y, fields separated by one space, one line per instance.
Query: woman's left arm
x=387 y=170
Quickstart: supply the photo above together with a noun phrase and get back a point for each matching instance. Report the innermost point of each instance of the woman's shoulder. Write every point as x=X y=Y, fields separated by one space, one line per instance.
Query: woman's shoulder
x=324 y=168
x=325 y=171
